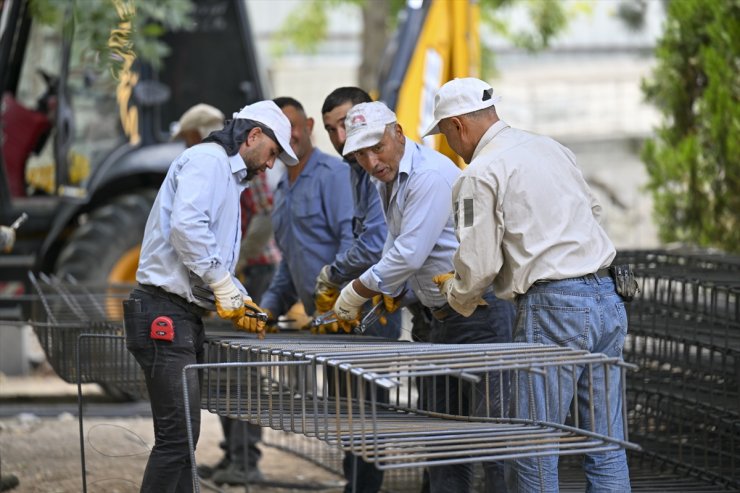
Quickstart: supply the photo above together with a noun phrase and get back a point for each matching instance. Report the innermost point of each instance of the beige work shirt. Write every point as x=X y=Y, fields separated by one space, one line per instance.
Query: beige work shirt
x=523 y=213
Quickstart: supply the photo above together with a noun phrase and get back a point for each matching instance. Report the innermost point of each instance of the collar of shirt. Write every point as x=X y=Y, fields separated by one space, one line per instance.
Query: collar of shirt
x=236 y=163
x=490 y=134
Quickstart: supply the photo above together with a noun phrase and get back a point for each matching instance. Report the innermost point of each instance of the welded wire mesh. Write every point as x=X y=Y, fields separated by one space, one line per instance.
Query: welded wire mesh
x=398 y=404
x=684 y=334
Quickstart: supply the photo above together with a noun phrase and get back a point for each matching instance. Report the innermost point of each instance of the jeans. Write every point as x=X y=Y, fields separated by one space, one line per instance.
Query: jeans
x=241 y=436
x=582 y=313
x=168 y=469
x=488 y=324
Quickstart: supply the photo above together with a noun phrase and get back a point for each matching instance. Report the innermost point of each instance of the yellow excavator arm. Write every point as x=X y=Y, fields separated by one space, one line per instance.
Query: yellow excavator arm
x=437 y=42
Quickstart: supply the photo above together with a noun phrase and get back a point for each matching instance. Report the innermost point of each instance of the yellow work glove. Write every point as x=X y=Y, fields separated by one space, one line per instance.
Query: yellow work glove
x=229 y=300
x=443 y=282
x=325 y=291
x=335 y=327
x=271 y=326
x=250 y=324
x=381 y=298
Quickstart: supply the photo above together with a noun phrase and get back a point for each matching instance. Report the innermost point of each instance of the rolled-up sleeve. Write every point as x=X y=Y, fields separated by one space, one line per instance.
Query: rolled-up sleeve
x=479 y=257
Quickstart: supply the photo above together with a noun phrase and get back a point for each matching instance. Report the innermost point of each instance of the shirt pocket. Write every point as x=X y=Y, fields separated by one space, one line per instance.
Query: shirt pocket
x=306 y=206
x=561 y=326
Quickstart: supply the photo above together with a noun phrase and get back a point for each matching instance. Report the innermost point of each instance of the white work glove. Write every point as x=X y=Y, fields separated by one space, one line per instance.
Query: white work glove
x=349 y=303
x=229 y=300
x=7 y=238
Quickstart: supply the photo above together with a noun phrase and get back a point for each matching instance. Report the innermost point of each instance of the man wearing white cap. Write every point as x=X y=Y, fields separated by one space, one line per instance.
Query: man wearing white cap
x=415 y=187
x=523 y=197
x=186 y=268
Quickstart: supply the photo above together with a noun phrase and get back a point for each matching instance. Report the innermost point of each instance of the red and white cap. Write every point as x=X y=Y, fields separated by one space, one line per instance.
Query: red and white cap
x=365 y=125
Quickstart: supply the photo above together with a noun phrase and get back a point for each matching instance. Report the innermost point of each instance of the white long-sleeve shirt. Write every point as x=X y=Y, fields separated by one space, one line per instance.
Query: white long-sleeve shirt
x=523 y=213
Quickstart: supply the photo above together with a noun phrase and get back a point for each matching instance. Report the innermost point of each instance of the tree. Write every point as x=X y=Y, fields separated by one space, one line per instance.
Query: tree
x=693 y=162
x=117 y=30
x=306 y=26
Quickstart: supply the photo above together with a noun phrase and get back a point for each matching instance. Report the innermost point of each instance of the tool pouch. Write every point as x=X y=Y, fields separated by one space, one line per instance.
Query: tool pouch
x=624 y=279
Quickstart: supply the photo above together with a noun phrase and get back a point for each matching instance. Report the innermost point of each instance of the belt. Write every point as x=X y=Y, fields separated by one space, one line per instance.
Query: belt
x=442 y=312
x=178 y=300
x=599 y=273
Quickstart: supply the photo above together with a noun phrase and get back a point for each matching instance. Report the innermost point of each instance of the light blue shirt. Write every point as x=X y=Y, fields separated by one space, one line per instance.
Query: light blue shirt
x=368 y=226
x=312 y=220
x=421 y=237
x=193 y=233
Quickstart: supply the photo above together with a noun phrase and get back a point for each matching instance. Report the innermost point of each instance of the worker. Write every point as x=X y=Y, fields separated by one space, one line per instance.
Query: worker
x=414 y=183
x=368 y=222
x=186 y=269
x=524 y=198
x=312 y=216
x=256 y=202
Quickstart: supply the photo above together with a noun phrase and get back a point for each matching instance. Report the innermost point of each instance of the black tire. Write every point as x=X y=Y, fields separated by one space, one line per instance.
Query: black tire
x=91 y=254
x=110 y=231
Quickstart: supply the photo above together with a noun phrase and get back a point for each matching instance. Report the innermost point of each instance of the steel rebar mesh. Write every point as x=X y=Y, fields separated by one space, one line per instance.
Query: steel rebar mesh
x=684 y=334
x=374 y=398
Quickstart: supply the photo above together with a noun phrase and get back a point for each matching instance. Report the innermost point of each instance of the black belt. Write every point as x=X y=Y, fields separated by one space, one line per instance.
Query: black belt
x=178 y=300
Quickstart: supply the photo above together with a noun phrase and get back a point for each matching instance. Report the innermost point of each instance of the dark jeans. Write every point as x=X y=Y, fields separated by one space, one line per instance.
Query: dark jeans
x=168 y=469
x=488 y=324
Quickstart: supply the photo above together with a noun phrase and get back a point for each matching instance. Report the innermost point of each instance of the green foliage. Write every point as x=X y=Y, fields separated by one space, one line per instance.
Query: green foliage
x=113 y=30
x=694 y=160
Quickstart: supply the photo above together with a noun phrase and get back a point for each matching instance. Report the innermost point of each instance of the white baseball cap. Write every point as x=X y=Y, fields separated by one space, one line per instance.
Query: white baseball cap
x=202 y=117
x=365 y=125
x=268 y=113
x=460 y=97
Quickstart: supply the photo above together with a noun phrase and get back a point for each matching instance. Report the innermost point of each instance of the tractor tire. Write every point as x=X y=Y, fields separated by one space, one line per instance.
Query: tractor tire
x=105 y=250
x=95 y=249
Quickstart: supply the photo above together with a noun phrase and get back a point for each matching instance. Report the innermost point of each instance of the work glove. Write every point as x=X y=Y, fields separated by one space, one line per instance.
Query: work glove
x=229 y=300
x=7 y=238
x=335 y=327
x=381 y=298
x=349 y=304
x=250 y=324
x=443 y=282
x=325 y=292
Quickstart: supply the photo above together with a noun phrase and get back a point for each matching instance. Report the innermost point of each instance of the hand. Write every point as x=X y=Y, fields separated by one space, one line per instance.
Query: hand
x=250 y=323
x=334 y=327
x=349 y=303
x=443 y=282
x=325 y=299
x=380 y=298
x=7 y=238
x=229 y=300
x=323 y=283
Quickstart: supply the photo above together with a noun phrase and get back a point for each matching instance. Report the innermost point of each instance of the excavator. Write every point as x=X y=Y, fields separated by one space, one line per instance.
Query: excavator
x=83 y=153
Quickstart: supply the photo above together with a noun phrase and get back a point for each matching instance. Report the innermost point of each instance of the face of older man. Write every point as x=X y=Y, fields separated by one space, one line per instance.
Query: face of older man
x=384 y=158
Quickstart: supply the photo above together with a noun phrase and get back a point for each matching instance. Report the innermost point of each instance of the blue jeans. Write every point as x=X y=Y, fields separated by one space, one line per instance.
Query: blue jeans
x=168 y=469
x=488 y=324
x=581 y=313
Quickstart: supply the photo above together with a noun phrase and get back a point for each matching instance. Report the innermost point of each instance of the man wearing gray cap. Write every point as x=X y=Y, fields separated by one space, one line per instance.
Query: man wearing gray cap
x=186 y=268
x=415 y=187
x=523 y=197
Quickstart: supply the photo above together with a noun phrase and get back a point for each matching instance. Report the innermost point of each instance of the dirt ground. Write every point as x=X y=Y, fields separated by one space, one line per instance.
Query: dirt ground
x=44 y=452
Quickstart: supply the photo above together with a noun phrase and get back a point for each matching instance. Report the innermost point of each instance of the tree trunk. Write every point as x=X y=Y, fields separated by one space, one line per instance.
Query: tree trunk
x=375 y=14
